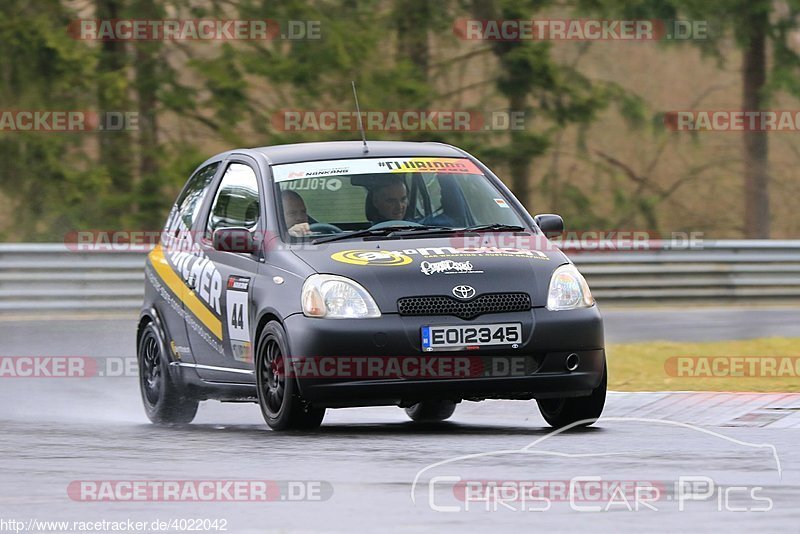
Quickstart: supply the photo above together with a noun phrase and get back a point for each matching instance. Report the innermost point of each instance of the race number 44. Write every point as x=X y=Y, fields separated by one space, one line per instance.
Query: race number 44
x=237 y=307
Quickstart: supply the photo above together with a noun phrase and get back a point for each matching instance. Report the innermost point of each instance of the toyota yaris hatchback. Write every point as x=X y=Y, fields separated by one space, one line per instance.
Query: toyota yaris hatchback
x=325 y=275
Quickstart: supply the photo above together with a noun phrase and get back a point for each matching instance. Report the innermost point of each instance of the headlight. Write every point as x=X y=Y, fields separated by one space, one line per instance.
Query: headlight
x=568 y=290
x=337 y=297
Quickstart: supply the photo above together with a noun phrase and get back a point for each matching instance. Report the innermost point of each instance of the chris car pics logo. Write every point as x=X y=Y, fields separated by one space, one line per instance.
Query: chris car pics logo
x=371 y=257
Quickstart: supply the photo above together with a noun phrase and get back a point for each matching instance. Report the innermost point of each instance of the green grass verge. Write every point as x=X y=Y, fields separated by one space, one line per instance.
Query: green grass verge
x=717 y=366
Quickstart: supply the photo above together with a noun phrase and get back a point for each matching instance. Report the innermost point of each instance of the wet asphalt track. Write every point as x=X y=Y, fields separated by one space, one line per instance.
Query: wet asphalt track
x=55 y=431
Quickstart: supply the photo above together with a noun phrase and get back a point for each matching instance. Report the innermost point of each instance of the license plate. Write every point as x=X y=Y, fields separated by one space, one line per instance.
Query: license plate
x=463 y=336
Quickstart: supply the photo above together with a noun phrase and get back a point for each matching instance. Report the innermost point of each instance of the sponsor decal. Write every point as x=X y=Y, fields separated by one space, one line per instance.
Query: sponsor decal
x=179 y=350
x=440 y=165
x=403 y=257
x=239 y=283
x=449 y=252
x=156 y=273
x=190 y=262
x=314 y=184
x=371 y=257
x=321 y=169
x=210 y=279
x=190 y=275
x=447 y=267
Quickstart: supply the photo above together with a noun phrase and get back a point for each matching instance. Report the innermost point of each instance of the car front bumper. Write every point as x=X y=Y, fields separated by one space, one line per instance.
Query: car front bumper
x=536 y=369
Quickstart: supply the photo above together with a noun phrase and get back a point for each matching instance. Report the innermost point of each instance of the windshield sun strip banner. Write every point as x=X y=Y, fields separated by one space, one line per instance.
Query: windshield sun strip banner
x=316 y=169
x=182 y=291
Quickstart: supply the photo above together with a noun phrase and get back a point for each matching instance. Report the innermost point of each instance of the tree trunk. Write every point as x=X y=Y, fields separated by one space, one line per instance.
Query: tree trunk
x=112 y=96
x=515 y=85
x=756 y=163
x=147 y=80
x=413 y=21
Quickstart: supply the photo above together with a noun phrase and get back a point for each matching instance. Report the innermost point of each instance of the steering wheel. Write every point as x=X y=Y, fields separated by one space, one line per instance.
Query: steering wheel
x=396 y=222
x=324 y=228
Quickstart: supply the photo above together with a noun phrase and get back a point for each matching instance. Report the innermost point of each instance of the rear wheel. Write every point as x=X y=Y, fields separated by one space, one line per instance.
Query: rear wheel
x=564 y=411
x=165 y=402
x=278 y=396
x=428 y=411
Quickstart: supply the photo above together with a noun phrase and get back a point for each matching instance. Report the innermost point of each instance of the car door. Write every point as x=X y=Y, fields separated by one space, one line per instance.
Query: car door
x=236 y=202
x=163 y=276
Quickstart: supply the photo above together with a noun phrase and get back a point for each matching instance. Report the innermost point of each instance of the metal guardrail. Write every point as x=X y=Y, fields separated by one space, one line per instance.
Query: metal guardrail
x=722 y=271
x=51 y=277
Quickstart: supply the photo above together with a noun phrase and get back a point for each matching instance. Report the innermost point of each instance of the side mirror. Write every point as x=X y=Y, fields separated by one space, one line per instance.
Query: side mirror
x=234 y=239
x=551 y=224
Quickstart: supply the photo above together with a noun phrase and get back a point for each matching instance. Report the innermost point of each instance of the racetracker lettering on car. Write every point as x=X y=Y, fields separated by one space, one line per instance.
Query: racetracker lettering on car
x=174 y=270
x=316 y=169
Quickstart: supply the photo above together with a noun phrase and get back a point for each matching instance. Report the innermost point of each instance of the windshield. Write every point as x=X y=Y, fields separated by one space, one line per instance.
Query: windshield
x=333 y=197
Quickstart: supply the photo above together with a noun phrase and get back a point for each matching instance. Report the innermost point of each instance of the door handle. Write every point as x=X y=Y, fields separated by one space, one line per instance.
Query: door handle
x=192 y=281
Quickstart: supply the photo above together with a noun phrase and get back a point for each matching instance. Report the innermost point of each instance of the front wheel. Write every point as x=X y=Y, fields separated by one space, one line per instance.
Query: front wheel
x=278 y=396
x=165 y=402
x=429 y=411
x=564 y=411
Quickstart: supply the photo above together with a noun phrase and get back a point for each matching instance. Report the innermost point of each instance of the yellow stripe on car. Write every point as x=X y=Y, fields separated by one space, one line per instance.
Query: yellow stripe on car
x=182 y=291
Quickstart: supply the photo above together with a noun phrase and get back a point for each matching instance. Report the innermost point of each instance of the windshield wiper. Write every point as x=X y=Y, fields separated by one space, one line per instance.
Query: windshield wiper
x=494 y=227
x=369 y=232
x=450 y=230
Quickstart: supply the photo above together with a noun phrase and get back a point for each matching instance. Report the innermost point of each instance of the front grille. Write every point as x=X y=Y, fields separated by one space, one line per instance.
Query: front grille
x=464 y=309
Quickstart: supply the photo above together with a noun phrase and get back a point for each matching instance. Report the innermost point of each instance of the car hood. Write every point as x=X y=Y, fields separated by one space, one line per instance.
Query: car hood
x=391 y=269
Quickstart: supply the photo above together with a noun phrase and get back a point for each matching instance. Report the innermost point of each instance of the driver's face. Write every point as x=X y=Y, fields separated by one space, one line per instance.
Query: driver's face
x=391 y=201
x=294 y=210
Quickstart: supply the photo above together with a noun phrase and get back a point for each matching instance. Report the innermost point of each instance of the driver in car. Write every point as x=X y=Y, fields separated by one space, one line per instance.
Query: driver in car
x=295 y=214
x=389 y=200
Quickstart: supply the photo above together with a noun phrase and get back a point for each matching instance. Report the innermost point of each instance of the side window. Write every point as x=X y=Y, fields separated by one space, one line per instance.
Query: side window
x=186 y=207
x=237 y=201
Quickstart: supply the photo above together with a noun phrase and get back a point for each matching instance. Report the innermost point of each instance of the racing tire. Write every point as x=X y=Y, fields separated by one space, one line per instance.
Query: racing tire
x=430 y=411
x=278 y=395
x=564 y=411
x=165 y=402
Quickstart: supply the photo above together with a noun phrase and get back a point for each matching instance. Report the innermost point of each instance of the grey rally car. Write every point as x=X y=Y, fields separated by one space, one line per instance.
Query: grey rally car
x=325 y=275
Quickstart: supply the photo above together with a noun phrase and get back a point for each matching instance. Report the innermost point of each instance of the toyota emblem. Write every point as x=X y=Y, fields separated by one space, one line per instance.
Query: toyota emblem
x=464 y=292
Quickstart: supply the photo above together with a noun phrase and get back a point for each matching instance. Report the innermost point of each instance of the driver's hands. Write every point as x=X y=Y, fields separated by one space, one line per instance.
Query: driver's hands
x=300 y=230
